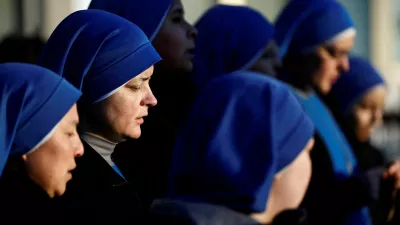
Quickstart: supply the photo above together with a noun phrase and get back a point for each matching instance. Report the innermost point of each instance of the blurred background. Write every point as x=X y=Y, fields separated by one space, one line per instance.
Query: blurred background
x=26 y=24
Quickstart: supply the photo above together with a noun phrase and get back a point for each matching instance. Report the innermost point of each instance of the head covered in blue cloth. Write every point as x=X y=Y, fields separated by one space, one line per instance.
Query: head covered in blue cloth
x=32 y=102
x=305 y=24
x=354 y=84
x=149 y=15
x=226 y=45
x=98 y=52
x=234 y=143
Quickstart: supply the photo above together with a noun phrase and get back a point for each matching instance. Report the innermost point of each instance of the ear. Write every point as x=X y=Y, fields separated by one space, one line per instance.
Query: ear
x=24 y=157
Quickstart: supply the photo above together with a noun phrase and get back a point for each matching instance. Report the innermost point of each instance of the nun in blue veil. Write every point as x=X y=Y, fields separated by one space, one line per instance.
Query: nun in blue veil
x=235 y=155
x=357 y=102
x=242 y=42
x=38 y=112
x=316 y=37
x=111 y=60
x=164 y=23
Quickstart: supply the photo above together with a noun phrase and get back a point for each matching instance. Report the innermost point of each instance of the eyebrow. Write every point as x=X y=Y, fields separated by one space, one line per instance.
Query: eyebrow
x=145 y=78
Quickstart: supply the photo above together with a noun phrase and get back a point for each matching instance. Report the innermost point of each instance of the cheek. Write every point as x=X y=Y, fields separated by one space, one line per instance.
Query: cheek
x=121 y=109
x=122 y=113
x=326 y=71
x=171 y=45
x=293 y=184
x=49 y=166
x=363 y=119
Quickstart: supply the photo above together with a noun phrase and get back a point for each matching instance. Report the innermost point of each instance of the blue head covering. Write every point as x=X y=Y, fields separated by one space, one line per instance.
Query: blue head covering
x=149 y=15
x=230 y=38
x=236 y=141
x=98 y=52
x=305 y=24
x=355 y=83
x=33 y=100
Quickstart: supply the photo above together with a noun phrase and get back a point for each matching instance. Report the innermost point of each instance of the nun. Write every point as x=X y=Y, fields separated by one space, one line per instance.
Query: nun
x=111 y=60
x=244 y=42
x=357 y=102
x=235 y=162
x=173 y=37
x=38 y=141
x=315 y=39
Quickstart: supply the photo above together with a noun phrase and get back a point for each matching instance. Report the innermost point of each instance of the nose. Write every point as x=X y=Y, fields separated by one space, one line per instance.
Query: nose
x=150 y=100
x=78 y=148
x=344 y=63
x=192 y=31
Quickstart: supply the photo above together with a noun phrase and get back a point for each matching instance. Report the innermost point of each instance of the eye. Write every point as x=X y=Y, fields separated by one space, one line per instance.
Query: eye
x=71 y=134
x=135 y=88
x=177 y=19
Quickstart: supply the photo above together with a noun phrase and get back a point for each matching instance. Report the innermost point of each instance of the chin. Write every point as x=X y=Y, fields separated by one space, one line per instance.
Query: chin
x=325 y=89
x=135 y=134
x=187 y=66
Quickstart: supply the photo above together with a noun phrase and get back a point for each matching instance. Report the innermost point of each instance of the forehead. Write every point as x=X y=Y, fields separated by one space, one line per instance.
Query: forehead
x=145 y=75
x=344 y=43
x=71 y=118
x=376 y=94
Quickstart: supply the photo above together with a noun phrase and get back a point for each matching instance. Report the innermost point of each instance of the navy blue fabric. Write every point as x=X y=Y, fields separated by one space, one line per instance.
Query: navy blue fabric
x=230 y=38
x=243 y=129
x=98 y=52
x=355 y=83
x=33 y=100
x=343 y=160
x=149 y=15
x=305 y=24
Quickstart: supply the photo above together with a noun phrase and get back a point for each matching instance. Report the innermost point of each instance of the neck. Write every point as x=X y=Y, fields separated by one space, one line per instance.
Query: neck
x=101 y=145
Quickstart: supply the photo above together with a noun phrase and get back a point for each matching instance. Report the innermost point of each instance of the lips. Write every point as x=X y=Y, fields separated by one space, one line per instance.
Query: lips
x=140 y=120
x=190 y=52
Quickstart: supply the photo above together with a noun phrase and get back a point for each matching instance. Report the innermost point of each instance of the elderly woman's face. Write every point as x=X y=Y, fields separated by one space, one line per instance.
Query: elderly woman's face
x=124 y=111
x=334 y=59
x=50 y=165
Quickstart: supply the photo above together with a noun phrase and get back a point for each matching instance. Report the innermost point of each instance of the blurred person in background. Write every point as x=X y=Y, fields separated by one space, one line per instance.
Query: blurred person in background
x=111 y=60
x=39 y=139
x=243 y=158
x=244 y=42
x=315 y=37
x=357 y=102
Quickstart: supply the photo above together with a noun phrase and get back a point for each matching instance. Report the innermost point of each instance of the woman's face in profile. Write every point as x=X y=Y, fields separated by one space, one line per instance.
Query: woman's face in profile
x=333 y=60
x=50 y=165
x=175 y=42
x=121 y=115
x=368 y=113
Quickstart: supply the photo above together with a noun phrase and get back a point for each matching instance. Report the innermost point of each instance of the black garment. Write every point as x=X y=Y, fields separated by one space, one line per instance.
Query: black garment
x=146 y=161
x=327 y=201
x=173 y=212
x=24 y=202
x=98 y=195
